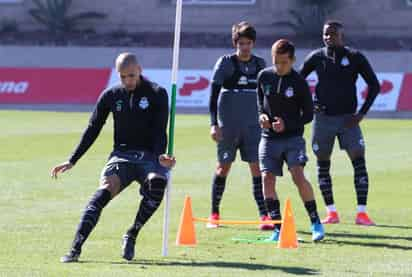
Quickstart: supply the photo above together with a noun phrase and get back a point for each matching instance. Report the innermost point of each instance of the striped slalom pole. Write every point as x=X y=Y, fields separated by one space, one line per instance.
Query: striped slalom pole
x=175 y=67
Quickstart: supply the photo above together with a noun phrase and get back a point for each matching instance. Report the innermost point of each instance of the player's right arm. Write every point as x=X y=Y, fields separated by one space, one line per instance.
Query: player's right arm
x=215 y=131
x=96 y=122
x=264 y=120
x=308 y=65
x=218 y=78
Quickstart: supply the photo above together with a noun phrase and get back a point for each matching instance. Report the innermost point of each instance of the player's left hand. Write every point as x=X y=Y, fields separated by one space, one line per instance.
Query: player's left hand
x=167 y=161
x=278 y=125
x=353 y=120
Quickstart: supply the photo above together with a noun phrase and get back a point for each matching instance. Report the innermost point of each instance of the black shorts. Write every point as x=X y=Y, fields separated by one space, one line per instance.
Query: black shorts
x=133 y=166
x=326 y=128
x=274 y=152
x=245 y=139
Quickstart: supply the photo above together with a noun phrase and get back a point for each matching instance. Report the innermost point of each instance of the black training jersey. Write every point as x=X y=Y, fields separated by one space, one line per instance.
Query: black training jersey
x=233 y=92
x=338 y=70
x=139 y=118
x=287 y=97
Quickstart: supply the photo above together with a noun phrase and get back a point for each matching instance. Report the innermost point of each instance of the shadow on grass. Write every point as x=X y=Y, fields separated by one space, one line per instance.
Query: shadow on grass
x=394 y=226
x=219 y=264
x=363 y=236
x=330 y=239
x=253 y=229
x=370 y=244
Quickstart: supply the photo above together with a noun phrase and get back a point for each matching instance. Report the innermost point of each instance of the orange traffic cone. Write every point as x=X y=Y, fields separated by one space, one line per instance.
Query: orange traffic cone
x=287 y=237
x=186 y=233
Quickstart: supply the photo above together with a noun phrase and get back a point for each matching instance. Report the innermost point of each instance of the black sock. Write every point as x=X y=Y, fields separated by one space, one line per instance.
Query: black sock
x=258 y=195
x=218 y=187
x=361 y=180
x=312 y=211
x=90 y=217
x=152 y=192
x=273 y=208
x=325 y=182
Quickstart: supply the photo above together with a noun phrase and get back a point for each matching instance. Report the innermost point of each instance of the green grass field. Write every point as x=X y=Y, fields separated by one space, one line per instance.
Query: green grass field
x=39 y=215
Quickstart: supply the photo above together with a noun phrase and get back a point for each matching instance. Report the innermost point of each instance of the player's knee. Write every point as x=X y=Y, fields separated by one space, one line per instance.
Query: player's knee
x=255 y=169
x=298 y=176
x=356 y=154
x=157 y=183
x=299 y=180
x=268 y=179
x=222 y=170
x=322 y=156
x=153 y=190
x=111 y=183
x=154 y=177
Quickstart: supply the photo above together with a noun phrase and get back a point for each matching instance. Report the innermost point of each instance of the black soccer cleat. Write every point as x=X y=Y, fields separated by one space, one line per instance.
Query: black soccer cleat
x=71 y=257
x=128 y=247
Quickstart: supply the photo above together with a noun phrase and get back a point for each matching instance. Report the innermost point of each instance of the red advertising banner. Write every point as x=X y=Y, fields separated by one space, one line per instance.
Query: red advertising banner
x=51 y=85
x=387 y=99
x=405 y=97
x=193 y=85
x=84 y=85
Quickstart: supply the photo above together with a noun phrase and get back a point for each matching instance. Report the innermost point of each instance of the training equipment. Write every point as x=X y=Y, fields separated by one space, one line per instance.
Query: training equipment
x=287 y=236
x=186 y=235
x=175 y=67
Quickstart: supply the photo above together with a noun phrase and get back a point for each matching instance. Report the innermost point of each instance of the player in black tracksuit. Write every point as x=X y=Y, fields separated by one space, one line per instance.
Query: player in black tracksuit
x=336 y=114
x=234 y=117
x=140 y=114
x=285 y=106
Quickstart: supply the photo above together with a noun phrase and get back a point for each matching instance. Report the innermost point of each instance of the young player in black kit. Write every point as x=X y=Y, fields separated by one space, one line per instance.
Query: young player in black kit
x=234 y=117
x=338 y=68
x=285 y=106
x=140 y=115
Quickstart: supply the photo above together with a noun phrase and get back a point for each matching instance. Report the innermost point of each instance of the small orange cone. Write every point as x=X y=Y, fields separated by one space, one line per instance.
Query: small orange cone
x=186 y=234
x=287 y=237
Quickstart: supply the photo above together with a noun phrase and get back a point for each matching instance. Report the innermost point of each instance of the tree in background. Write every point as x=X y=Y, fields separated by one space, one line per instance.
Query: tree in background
x=54 y=14
x=8 y=25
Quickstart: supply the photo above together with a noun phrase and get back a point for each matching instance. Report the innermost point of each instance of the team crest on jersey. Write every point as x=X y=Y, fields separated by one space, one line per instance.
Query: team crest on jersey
x=289 y=92
x=267 y=89
x=144 y=103
x=119 y=105
x=242 y=80
x=345 y=61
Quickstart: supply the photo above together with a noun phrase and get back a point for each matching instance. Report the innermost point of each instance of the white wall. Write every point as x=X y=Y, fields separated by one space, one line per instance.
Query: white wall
x=14 y=56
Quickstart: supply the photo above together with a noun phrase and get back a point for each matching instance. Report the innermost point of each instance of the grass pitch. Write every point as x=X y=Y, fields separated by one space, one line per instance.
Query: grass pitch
x=39 y=215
